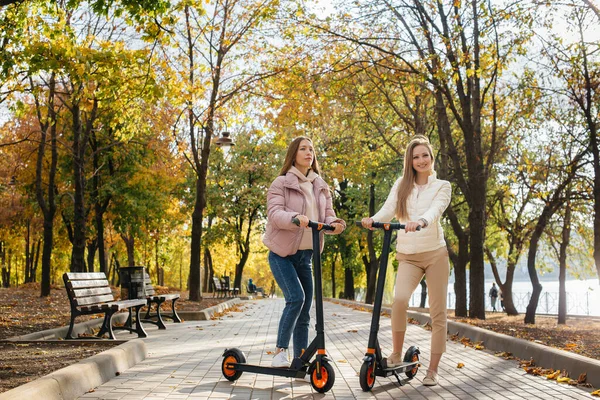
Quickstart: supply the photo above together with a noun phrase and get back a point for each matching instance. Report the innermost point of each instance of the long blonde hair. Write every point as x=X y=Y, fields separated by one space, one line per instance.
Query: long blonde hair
x=290 y=156
x=409 y=176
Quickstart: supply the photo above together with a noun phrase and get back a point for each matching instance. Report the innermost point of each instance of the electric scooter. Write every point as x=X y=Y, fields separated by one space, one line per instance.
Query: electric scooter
x=373 y=362
x=320 y=370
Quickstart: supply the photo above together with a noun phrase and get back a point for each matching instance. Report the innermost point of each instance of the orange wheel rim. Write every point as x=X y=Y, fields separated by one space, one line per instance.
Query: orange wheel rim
x=415 y=358
x=228 y=369
x=320 y=383
x=371 y=375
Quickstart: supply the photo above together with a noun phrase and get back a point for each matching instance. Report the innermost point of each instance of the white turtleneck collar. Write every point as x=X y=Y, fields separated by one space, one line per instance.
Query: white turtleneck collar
x=301 y=177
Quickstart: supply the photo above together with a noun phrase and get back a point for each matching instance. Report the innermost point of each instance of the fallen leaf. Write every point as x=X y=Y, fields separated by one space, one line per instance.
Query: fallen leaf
x=553 y=375
x=596 y=393
x=563 y=379
x=582 y=378
x=352 y=330
x=460 y=365
x=342 y=361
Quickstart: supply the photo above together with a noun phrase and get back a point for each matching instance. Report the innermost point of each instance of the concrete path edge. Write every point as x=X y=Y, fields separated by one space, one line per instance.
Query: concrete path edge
x=543 y=356
x=208 y=313
x=75 y=380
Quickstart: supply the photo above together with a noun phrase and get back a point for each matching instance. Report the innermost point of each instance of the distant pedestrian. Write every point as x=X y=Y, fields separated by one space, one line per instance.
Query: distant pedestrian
x=501 y=300
x=493 y=296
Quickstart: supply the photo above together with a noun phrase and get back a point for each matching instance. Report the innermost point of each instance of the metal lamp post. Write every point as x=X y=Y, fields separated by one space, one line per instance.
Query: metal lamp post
x=225 y=143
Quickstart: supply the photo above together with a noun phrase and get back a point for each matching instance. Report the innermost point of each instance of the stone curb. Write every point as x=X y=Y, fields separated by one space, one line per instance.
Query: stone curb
x=544 y=356
x=75 y=380
x=207 y=313
x=60 y=333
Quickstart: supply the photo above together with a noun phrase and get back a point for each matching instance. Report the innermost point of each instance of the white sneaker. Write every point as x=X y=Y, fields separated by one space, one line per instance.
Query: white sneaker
x=281 y=360
x=431 y=378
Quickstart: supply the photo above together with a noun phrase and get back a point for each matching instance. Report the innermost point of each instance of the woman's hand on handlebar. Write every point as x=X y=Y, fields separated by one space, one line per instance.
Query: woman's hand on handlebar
x=367 y=223
x=339 y=228
x=412 y=226
x=303 y=220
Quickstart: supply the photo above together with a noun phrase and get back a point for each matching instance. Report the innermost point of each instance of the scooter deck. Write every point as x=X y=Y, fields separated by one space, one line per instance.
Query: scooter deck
x=259 y=369
x=397 y=369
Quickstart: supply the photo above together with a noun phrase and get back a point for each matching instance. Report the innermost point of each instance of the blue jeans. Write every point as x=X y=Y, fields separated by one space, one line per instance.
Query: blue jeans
x=294 y=276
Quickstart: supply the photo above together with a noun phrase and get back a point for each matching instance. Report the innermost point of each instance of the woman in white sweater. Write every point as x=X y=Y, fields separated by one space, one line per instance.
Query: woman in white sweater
x=418 y=198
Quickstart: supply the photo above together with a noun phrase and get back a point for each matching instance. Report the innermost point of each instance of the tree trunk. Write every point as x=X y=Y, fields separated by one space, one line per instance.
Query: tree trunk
x=194 y=276
x=333 y=276
x=208 y=274
x=346 y=253
x=423 y=293
x=596 y=165
x=27 y=257
x=5 y=271
x=349 y=284
x=156 y=263
x=91 y=254
x=506 y=288
x=477 y=222
x=35 y=253
x=79 y=220
x=100 y=207
x=130 y=245
x=562 y=259
x=47 y=204
x=98 y=214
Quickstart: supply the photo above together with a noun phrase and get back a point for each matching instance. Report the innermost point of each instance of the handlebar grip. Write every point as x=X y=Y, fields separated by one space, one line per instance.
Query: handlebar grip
x=386 y=225
x=320 y=226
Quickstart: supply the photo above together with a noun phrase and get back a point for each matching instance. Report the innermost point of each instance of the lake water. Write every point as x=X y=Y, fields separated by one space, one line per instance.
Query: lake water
x=583 y=296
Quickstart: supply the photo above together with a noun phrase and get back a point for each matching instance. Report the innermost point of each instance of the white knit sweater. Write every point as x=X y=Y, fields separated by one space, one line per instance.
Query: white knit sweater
x=428 y=203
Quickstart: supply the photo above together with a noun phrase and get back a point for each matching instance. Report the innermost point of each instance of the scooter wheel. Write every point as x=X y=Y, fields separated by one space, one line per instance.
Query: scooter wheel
x=327 y=378
x=367 y=376
x=232 y=356
x=412 y=355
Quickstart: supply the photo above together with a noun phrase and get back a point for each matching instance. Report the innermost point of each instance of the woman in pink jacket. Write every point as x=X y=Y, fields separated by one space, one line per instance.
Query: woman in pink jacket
x=418 y=198
x=298 y=192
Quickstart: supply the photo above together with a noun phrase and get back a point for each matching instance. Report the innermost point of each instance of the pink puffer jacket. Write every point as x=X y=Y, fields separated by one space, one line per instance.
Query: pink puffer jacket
x=285 y=200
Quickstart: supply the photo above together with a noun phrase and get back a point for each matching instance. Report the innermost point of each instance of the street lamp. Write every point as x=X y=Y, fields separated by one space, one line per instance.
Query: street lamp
x=225 y=143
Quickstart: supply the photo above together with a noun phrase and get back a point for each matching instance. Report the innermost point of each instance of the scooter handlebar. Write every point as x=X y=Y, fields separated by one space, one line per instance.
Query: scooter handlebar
x=320 y=226
x=385 y=225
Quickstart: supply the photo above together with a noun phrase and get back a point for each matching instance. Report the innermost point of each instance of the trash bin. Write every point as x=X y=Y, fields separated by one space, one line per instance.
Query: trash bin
x=132 y=283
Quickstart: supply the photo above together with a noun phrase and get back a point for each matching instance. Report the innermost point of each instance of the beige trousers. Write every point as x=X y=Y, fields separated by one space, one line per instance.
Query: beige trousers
x=411 y=268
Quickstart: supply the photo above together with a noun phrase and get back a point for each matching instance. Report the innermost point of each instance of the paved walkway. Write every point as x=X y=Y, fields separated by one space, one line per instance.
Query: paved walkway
x=184 y=362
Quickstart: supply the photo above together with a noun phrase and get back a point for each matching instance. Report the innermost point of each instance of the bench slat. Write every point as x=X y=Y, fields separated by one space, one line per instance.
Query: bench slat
x=79 y=276
x=83 y=301
x=92 y=292
x=88 y=284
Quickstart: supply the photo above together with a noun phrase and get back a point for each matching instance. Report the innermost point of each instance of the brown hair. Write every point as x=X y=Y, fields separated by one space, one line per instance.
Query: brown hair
x=409 y=176
x=290 y=156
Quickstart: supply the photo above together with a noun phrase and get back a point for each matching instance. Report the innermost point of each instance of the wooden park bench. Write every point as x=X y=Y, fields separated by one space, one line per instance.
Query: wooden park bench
x=226 y=285
x=218 y=289
x=90 y=293
x=153 y=298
